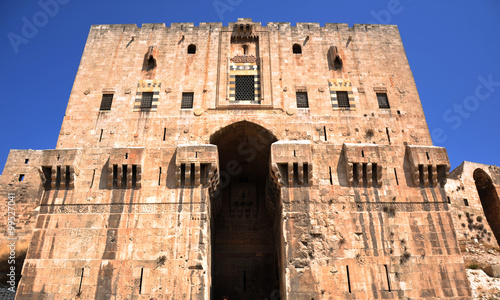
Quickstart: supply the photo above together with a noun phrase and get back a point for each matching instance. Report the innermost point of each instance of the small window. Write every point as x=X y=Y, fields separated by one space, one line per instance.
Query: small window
x=192 y=49
x=106 y=101
x=245 y=49
x=466 y=202
x=297 y=49
x=302 y=101
x=343 y=99
x=245 y=87
x=383 y=102
x=187 y=100
x=21 y=177
x=147 y=100
x=27 y=160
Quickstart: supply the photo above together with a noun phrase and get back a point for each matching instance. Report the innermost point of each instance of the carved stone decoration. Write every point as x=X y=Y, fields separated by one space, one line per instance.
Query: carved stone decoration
x=429 y=165
x=244 y=59
x=362 y=165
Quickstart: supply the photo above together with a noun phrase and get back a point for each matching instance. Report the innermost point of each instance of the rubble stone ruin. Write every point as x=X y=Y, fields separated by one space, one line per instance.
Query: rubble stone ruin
x=247 y=161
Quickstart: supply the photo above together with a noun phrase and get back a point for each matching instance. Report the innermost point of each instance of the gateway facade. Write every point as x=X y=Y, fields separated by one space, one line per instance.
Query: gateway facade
x=248 y=161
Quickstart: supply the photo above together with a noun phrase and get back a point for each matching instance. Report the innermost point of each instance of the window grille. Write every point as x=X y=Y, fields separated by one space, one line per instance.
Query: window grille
x=187 y=100
x=302 y=101
x=343 y=99
x=383 y=102
x=147 y=100
x=245 y=87
x=106 y=101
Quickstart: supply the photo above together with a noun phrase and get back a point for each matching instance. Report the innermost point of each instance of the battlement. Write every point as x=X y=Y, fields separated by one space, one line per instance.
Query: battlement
x=270 y=26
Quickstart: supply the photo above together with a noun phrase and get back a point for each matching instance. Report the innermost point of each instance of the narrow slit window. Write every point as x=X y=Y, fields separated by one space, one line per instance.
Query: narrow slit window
x=343 y=99
x=159 y=177
x=245 y=87
x=147 y=100
x=387 y=275
x=302 y=101
x=81 y=281
x=396 y=175
x=164 y=133
x=383 y=101
x=348 y=279
x=187 y=100
x=466 y=202
x=331 y=178
x=107 y=100
x=140 y=281
x=21 y=177
x=92 y=182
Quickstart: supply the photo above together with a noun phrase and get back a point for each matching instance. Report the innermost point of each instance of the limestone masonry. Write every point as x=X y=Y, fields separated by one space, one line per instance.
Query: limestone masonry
x=247 y=161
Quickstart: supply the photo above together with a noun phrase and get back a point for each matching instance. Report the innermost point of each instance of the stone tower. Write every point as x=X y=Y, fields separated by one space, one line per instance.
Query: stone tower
x=248 y=161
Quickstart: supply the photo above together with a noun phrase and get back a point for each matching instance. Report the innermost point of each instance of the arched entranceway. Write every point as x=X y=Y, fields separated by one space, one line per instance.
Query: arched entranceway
x=244 y=256
x=489 y=200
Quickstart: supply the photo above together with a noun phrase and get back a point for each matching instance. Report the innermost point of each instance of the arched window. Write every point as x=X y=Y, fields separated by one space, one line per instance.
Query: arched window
x=192 y=49
x=297 y=49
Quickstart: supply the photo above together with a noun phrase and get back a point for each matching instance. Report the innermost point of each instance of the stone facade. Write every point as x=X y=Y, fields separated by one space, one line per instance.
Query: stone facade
x=248 y=161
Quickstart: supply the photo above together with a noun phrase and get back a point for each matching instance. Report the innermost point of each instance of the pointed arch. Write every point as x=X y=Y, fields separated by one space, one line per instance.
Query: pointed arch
x=489 y=200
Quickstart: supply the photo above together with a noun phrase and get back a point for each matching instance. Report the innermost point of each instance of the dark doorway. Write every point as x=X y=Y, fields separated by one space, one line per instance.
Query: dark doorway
x=244 y=256
x=489 y=200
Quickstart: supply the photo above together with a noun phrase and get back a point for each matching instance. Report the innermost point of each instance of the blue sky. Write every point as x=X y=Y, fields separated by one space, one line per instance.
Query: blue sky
x=452 y=47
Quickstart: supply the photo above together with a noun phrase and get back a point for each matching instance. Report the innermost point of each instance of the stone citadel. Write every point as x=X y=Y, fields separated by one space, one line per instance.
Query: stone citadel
x=247 y=161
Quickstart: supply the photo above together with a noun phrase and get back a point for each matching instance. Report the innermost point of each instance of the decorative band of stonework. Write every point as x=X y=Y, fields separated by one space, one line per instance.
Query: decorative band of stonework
x=135 y=208
x=341 y=85
x=243 y=67
x=391 y=207
x=147 y=86
x=147 y=208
